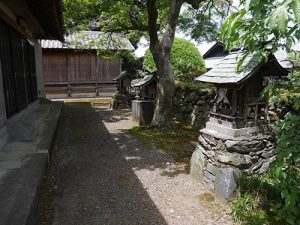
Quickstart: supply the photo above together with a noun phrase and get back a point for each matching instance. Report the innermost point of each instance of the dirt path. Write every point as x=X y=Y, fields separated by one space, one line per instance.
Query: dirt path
x=100 y=175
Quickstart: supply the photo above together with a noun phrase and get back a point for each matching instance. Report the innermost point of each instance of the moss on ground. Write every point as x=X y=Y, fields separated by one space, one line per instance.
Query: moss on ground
x=179 y=140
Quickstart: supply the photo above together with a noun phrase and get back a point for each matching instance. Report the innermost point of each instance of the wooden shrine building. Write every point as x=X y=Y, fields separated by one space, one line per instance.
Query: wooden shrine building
x=238 y=107
x=124 y=81
x=145 y=88
x=75 y=68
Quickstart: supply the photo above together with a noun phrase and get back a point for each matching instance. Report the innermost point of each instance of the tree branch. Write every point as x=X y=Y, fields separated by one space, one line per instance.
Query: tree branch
x=152 y=26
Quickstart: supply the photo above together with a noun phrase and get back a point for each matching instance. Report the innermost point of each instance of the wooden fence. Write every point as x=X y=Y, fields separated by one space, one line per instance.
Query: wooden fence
x=78 y=74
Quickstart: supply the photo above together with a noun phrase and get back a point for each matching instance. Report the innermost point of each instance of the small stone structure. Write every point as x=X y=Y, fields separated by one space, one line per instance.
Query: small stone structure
x=236 y=137
x=144 y=105
x=123 y=97
x=215 y=153
x=192 y=105
x=145 y=88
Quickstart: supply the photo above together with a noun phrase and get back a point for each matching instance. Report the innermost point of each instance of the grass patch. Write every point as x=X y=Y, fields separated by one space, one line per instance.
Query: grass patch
x=179 y=140
x=254 y=201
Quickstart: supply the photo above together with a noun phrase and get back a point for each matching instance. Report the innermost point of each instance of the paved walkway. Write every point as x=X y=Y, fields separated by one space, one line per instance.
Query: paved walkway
x=100 y=175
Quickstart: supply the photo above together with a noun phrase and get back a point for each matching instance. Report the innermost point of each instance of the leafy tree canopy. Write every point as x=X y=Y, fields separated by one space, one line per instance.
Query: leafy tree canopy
x=186 y=59
x=204 y=24
x=130 y=17
x=262 y=25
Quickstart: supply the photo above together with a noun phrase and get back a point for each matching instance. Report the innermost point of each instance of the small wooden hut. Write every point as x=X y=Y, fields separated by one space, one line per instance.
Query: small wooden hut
x=145 y=88
x=238 y=107
x=123 y=82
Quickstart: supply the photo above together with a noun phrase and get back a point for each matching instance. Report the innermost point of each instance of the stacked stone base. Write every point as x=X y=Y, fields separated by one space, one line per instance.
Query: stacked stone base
x=218 y=160
x=122 y=100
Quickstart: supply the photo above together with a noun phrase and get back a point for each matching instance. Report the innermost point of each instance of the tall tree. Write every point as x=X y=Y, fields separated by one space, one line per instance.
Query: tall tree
x=158 y=18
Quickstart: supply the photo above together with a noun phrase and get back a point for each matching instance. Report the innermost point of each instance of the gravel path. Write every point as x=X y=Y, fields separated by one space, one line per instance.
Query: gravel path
x=100 y=175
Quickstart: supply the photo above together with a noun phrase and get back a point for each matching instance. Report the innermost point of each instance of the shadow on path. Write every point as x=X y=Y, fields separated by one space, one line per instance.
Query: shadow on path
x=90 y=180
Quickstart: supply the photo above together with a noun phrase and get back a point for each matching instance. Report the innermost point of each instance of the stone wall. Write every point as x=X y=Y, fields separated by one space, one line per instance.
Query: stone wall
x=191 y=105
x=122 y=100
x=217 y=155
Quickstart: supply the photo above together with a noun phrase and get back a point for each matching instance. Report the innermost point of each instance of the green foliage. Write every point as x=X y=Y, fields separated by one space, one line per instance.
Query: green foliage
x=257 y=26
x=176 y=140
x=255 y=198
x=277 y=194
x=186 y=60
x=204 y=24
x=263 y=24
x=287 y=167
x=194 y=86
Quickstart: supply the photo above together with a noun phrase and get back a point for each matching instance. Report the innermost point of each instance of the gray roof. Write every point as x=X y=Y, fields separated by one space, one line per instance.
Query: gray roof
x=122 y=74
x=142 y=82
x=211 y=62
x=90 y=40
x=225 y=72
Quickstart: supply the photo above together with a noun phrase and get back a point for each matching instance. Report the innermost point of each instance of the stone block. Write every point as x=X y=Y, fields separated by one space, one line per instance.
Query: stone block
x=209 y=176
x=244 y=146
x=142 y=111
x=234 y=159
x=197 y=165
x=211 y=168
x=209 y=184
x=203 y=142
x=226 y=184
x=267 y=155
x=209 y=139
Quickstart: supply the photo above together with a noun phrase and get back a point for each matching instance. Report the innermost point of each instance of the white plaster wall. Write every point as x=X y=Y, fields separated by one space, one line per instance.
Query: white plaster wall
x=39 y=69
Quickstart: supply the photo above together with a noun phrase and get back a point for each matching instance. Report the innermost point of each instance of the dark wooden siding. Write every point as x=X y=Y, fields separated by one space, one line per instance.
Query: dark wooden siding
x=18 y=69
x=69 y=72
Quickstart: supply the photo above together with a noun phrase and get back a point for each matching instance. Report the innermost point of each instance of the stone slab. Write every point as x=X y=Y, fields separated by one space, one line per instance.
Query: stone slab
x=197 y=165
x=142 y=112
x=22 y=167
x=226 y=184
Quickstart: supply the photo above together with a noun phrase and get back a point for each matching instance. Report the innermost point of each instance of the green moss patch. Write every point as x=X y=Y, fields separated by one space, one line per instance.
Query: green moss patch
x=179 y=140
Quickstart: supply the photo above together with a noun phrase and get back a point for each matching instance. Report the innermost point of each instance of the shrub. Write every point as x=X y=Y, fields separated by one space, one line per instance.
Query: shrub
x=276 y=195
x=186 y=60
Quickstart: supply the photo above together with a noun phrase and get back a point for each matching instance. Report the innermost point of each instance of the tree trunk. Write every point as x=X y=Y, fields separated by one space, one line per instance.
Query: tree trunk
x=165 y=92
x=161 y=51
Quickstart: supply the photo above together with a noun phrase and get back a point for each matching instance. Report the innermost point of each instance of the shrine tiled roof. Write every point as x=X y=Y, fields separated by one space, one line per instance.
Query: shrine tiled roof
x=225 y=71
x=144 y=81
x=90 y=40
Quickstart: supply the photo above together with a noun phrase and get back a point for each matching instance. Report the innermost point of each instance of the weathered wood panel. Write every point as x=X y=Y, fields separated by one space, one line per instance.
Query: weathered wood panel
x=55 y=67
x=74 y=73
x=19 y=80
x=82 y=66
x=2 y=102
x=19 y=70
x=7 y=69
x=108 y=70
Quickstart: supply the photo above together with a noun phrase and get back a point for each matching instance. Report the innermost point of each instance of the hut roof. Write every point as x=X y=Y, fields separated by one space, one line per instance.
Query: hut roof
x=90 y=40
x=42 y=17
x=225 y=72
x=211 y=62
x=122 y=74
x=144 y=81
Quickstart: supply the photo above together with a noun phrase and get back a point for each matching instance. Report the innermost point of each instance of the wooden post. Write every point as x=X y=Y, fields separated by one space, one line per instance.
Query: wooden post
x=2 y=102
x=245 y=113
x=234 y=102
x=256 y=114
